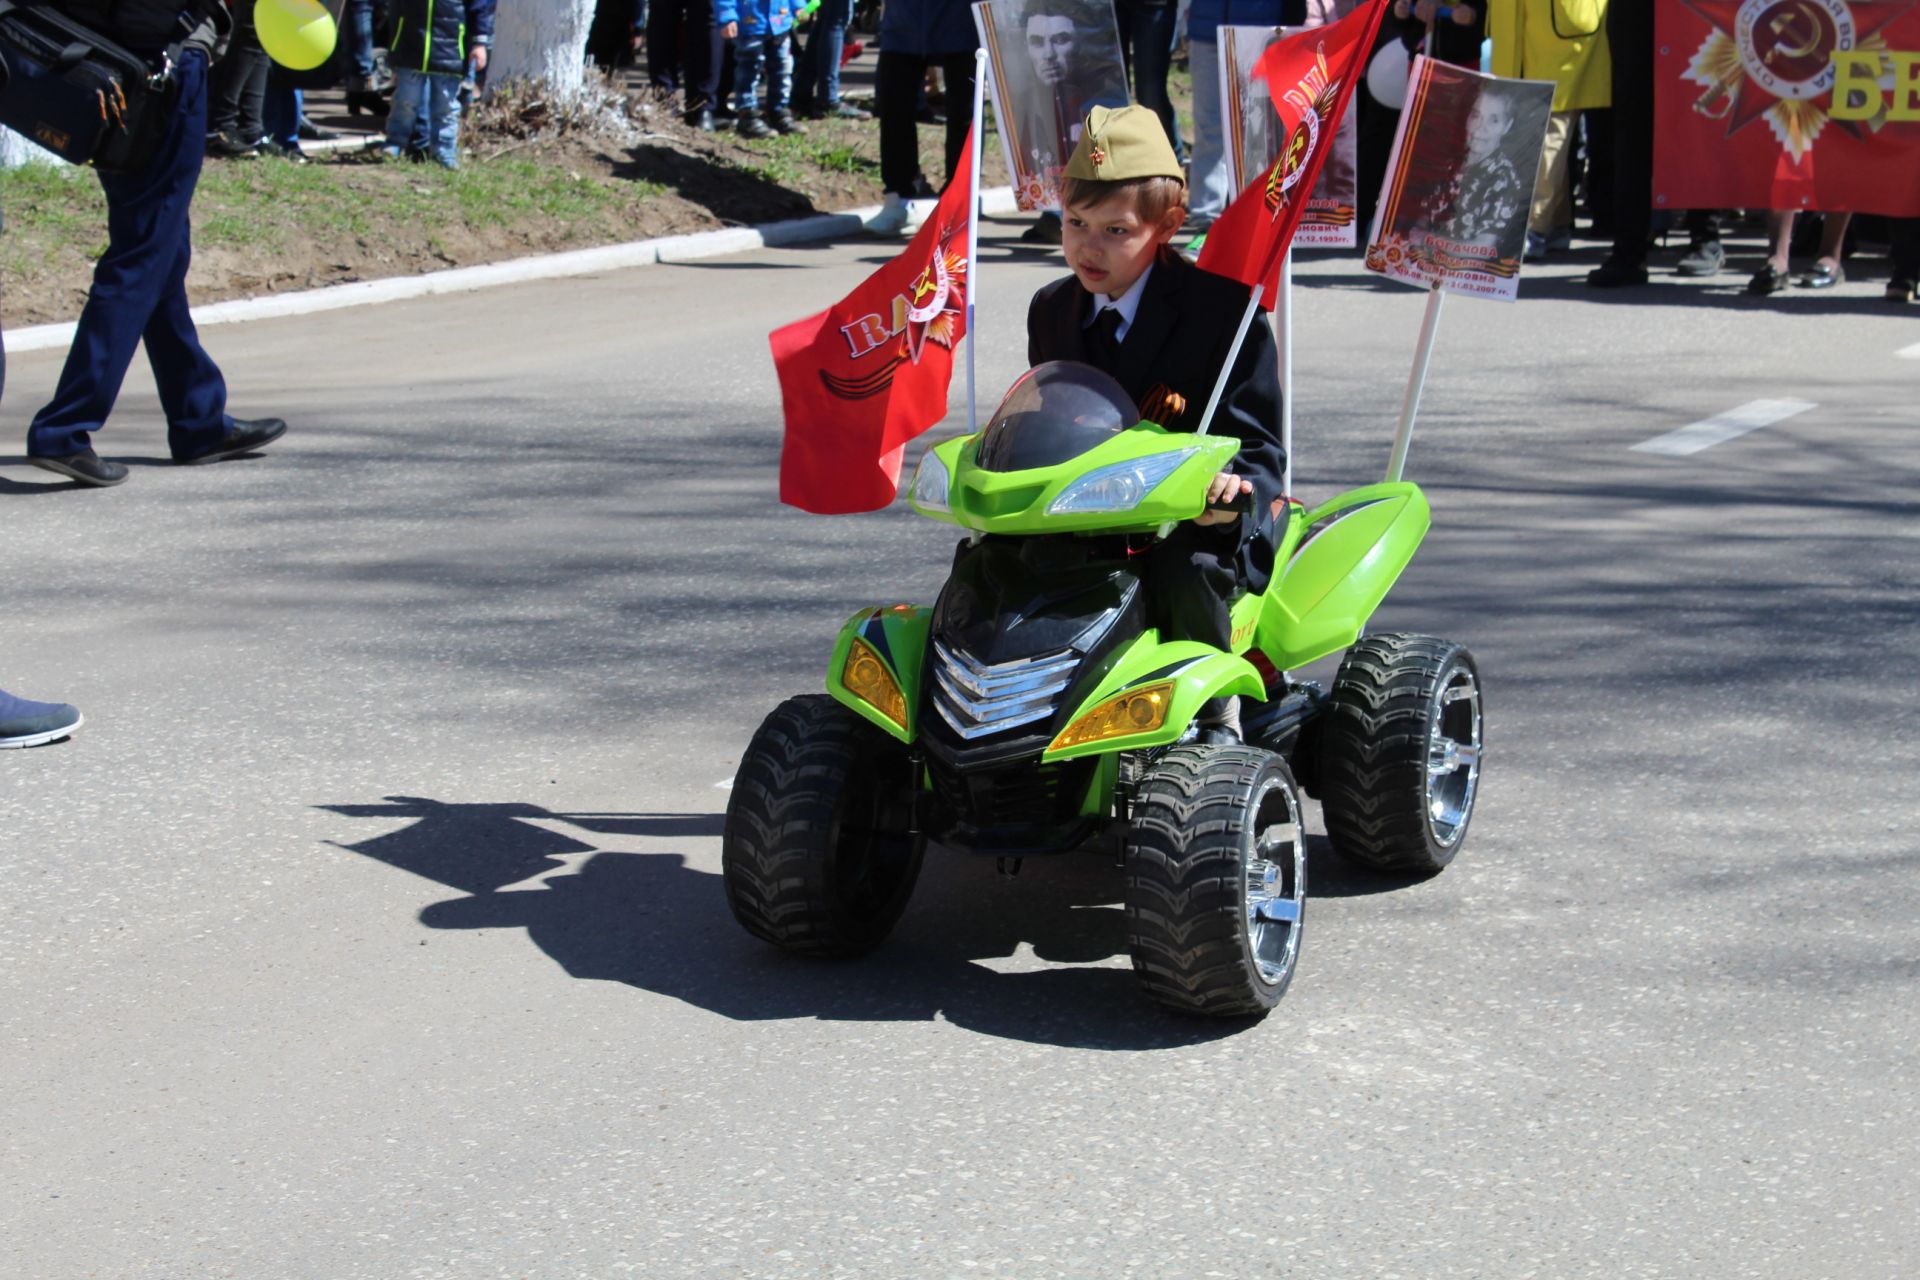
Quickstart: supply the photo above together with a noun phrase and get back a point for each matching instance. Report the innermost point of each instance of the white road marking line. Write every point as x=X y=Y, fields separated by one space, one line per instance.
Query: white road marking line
x=1909 y=353
x=1722 y=427
x=727 y=785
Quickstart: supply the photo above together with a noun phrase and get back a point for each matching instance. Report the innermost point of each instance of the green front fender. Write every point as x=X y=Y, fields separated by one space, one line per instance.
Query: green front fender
x=898 y=635
x=1352 y=552
x=1021 y=502
x=1196 y=671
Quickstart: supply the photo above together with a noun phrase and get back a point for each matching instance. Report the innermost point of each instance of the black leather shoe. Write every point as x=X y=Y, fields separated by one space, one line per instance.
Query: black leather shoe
x=754 y=127
x=87 y=468
x=700 y=118
x=246 y=437
x=783 y=122
x=1820 y=276
x=1765 y=281
x=1045 y=230
x=1614 y=274
x=228 y=147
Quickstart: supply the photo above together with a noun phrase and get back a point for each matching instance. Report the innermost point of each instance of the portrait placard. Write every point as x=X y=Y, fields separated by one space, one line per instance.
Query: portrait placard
x=1460 y=181
x=1254 y=140
x=1051 y=62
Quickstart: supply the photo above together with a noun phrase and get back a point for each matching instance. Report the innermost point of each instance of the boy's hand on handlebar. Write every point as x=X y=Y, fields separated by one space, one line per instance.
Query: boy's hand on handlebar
x=1225 y=488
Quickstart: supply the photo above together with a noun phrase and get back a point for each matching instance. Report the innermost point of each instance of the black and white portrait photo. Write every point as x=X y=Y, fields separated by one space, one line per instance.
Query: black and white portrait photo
x=1051 y=62
x=1254 y=141
x=1460 y=180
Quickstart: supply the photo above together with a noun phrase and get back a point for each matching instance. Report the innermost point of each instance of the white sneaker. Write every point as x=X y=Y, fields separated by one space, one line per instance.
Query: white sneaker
x=891 y=218
x=918 y=211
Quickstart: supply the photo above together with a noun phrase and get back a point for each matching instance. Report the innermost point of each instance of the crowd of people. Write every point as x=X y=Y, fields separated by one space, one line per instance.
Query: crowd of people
x=1598 y=155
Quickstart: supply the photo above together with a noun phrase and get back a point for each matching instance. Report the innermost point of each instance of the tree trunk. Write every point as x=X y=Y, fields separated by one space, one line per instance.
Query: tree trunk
x=542 y=40
x=16 y=151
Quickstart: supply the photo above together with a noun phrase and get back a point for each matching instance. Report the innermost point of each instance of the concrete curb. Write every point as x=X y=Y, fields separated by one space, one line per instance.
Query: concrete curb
x=553 y=266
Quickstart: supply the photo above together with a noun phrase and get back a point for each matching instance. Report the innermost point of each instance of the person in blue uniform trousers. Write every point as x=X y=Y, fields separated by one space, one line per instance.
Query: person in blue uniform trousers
x=140 y=283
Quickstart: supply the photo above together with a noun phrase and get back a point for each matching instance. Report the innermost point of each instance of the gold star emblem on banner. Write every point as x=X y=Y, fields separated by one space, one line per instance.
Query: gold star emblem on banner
x=1773 y=60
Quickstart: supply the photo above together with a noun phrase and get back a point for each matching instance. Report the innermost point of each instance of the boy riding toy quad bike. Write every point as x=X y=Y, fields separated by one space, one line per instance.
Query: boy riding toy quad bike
x=1033 y=710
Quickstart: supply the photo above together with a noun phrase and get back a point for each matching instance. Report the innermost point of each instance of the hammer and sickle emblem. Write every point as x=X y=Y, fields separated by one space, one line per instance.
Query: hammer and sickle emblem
x=1297 y=150
x=923 y=286
x=1783 y=26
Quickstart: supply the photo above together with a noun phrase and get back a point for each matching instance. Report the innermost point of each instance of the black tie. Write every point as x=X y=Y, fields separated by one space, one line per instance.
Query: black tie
x=1103 y=340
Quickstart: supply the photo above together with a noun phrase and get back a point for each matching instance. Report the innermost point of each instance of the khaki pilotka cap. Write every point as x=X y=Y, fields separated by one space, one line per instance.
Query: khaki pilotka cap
x=1118 y=144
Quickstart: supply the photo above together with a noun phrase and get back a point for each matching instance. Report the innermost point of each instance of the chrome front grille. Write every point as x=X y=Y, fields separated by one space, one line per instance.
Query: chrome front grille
x=977 y=699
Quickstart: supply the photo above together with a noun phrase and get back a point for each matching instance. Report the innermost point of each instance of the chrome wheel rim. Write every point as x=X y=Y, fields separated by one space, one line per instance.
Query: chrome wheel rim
x=1453 y=756
x=1276 y=886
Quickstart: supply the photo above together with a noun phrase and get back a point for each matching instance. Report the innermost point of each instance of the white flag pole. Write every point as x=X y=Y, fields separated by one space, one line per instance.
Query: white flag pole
x=1416 y=382
x=973 y=228
x=1284 y=312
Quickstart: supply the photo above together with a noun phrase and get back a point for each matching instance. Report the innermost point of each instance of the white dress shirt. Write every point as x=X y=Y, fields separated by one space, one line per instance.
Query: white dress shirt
x=1126 y=304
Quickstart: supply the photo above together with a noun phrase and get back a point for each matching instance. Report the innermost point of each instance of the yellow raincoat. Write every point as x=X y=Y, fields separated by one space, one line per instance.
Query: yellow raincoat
x=1564 y=41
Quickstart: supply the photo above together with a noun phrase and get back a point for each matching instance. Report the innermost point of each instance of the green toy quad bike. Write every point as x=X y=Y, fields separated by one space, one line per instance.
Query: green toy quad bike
x=1032 y=710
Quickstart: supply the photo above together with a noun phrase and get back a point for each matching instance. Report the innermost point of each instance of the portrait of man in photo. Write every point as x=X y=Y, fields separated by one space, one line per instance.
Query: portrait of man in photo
x=1071 y=64
x=1254 y=141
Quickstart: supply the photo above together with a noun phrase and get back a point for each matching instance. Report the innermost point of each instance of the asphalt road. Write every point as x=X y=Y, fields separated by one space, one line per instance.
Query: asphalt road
x=372 y=927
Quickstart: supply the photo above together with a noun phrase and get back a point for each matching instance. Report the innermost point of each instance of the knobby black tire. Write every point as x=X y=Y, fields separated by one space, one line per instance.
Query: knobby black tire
x=816 y=853
x=1190 y=839
x=1373 y=751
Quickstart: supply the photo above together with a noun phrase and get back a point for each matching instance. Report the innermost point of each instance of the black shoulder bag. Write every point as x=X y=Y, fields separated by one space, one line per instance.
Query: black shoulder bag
x=80 y=95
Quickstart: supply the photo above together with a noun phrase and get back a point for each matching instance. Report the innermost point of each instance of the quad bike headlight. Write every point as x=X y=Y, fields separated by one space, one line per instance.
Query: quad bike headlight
x=868 y=679
x=1139 y=710
x=931 y=483
x=1120 y=486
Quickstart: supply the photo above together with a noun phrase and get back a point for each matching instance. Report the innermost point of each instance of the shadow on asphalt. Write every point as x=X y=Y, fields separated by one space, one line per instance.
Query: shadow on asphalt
x=649 y=920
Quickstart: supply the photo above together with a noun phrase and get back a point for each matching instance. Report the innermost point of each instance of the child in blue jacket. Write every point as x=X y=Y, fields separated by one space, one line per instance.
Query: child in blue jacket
x=433 y=43
x=759 y=31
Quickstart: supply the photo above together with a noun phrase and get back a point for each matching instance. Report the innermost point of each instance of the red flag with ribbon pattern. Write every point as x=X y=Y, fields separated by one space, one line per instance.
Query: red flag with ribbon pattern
x=1310 y=75
x=868 y=374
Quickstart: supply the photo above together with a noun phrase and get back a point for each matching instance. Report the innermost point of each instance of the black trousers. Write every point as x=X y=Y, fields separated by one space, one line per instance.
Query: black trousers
x=1905 y=233
x=1630 y=40
x=684 y=50
x=237 y=106
x=1190 y=580
x=897 y=94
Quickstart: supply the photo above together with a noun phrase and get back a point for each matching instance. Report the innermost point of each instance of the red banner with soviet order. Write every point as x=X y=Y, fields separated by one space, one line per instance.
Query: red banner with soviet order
x=1788 y=104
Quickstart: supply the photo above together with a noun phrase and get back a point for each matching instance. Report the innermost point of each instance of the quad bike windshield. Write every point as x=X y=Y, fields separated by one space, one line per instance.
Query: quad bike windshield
x=1066 y=453
x=1053 y=414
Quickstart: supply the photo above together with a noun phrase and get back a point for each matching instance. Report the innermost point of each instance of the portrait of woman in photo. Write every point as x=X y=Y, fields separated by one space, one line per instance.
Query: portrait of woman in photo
x=1485 y=203
x=1460 y=180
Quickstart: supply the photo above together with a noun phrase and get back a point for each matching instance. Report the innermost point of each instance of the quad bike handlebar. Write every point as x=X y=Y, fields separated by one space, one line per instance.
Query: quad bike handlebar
x=1241 y=502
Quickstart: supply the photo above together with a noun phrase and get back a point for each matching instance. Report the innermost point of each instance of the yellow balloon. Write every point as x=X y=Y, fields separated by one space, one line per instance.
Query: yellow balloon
x=297 y=34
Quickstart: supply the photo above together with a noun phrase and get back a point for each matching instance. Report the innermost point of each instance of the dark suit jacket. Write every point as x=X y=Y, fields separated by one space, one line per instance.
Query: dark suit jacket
x=1176 y=344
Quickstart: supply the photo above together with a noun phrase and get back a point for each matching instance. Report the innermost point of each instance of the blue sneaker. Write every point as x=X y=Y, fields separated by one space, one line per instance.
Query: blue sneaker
x=31 y=724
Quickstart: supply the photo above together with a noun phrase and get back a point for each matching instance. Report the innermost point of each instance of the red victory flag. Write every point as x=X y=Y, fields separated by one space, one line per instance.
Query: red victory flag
x=868 y=374
x=1788 y=104
x=1310 y=76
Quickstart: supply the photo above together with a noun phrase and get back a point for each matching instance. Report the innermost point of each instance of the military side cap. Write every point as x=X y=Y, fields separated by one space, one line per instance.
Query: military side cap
x=1121 y=143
